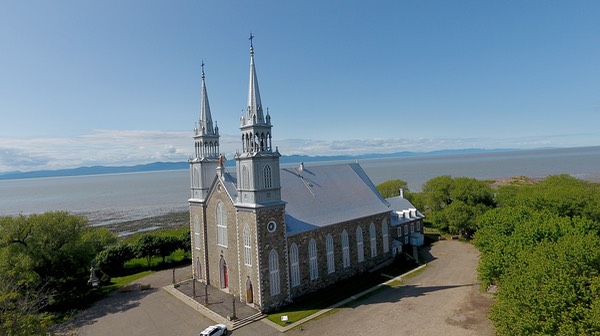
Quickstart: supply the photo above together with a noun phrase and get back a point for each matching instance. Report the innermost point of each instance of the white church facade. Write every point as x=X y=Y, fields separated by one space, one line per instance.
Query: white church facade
x=268 y=235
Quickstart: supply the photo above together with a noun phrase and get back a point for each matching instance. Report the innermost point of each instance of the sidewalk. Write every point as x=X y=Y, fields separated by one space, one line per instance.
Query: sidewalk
x=215 y=304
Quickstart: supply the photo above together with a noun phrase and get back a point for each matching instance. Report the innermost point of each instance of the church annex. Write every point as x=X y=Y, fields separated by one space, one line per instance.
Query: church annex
x=268 y=235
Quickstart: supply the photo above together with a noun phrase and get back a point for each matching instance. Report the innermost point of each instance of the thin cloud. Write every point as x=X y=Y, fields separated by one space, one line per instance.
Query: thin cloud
x=126 y=148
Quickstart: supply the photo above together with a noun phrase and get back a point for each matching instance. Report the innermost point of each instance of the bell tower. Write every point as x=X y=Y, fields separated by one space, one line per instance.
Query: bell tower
x=203 y=165
x=259 y=202
x=258 y=164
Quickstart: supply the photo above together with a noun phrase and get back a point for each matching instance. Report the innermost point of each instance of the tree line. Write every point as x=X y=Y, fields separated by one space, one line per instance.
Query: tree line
x=45 y=262
x=539 y=243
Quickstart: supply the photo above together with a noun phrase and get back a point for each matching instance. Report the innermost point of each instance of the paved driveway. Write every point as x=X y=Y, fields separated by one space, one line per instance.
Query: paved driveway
x=442 y=300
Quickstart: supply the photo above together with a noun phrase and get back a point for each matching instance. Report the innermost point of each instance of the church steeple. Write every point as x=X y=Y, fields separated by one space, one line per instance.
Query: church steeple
x=203 y=165
x=255 y=111
x=258 y=164
x=206 y=123
x=206 y=136
x=256 y=132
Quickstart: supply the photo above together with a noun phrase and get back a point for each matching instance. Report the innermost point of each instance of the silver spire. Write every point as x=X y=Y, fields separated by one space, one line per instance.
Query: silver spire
x=206 y=123
x=255 y=112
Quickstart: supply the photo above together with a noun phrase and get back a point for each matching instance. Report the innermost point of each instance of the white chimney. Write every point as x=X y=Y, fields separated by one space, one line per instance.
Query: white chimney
x=402 y=192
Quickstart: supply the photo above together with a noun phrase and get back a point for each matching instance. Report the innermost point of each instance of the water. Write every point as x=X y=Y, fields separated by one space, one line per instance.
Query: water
x=120 y=197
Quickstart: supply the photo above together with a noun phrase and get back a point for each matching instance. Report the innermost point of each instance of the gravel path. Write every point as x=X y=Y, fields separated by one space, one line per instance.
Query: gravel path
x=444 y=299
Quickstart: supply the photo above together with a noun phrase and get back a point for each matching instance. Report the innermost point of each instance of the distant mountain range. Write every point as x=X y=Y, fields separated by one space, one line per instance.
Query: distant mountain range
x=160 y=166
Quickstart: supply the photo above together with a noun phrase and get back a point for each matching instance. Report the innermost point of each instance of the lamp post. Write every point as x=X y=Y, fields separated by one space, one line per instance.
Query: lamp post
x=206 y=294
x=193 y=286
x=233 y=317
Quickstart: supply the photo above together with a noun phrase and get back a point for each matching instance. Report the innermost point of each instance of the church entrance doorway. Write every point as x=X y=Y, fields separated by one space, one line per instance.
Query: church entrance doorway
x=249 y=294
x=224 y=276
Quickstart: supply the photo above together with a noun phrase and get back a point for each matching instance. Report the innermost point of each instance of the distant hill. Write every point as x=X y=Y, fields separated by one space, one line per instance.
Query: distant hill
x=160 y=166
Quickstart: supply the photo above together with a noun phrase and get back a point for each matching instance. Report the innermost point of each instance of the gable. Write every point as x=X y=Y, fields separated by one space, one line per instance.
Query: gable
x=225 y=184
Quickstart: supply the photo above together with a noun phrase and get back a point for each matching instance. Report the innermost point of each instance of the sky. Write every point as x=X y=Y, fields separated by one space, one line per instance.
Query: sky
x=118 y=82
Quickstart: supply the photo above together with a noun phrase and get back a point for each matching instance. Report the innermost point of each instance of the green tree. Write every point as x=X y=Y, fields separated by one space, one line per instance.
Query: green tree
x=455 y=204
x=19 y=308
x=436 y=193
x=551 y=289
x=46 y=253
x=147 y=246
x=185 y=241
x=167 y=245
x=112 y=260
x=392 y=188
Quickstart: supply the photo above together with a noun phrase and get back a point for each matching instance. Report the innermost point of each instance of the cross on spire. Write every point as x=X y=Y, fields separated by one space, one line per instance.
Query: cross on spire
x=202 y=69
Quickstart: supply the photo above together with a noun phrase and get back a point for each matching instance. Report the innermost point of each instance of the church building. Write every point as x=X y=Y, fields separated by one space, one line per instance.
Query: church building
x=268 y=235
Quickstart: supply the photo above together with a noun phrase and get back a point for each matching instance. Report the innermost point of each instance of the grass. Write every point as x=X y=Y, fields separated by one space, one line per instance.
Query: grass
x=327 y=297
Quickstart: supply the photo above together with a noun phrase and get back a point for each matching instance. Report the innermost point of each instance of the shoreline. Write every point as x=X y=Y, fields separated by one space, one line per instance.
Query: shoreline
x=170 y=220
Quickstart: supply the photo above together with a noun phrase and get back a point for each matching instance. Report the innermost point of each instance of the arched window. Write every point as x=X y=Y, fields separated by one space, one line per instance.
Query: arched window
x=245 y=178
x=345 y=249
x=385 y=236
x=295 y=265
x=312 y=256
x=330 y=256
x=274 y=272
x=221 y=225
x=247 y=248
x=360 y=250
x=373 y=236
x=267 y=176
x=196 y=236
x=196 y=177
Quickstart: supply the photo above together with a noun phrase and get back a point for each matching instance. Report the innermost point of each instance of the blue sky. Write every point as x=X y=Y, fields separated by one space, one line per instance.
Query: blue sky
x=118 y=82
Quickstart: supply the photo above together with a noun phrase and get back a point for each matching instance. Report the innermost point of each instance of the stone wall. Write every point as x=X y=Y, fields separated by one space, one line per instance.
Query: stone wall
x=325 y=278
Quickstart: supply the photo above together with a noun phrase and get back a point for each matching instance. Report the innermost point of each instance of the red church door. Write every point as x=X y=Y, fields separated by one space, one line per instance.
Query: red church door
x=249 y=294
x=224 y=276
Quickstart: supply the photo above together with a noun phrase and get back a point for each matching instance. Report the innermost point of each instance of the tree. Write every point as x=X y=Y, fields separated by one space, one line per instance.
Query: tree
x=45 y=254
x=436 y=193
x=552 y=289
x=455 y=204
x=392 y=188
x=185 y=242
x=19 y=308
x=167 y=245
x=147 y=246
x=112 y=259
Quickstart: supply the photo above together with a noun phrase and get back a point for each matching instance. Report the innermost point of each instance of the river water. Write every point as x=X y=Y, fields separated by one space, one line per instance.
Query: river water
x=114 y=198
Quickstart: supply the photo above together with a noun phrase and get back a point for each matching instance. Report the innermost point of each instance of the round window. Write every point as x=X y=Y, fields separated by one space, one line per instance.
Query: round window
x=272 y=226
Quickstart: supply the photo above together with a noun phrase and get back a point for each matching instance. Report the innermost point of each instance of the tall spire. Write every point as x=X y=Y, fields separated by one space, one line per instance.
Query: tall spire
x=255 y=111
x=206 y=123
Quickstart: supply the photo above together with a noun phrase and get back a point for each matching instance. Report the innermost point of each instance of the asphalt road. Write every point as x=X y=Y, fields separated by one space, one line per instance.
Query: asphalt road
x=444 y=299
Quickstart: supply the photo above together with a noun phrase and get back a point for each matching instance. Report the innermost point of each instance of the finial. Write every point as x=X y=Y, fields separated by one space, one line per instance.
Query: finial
x=251 y=46
x=202 y=69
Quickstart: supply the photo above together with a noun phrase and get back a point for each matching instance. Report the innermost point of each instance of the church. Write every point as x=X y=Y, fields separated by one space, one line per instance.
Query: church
x=268 y=235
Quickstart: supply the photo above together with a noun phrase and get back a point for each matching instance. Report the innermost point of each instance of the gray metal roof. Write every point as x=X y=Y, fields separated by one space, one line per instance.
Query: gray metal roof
x=324 y=195
x=401 y=204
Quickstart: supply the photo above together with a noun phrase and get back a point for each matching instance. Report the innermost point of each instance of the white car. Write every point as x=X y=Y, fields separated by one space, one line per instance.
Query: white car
x=215 y=330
